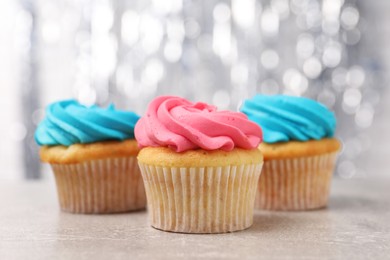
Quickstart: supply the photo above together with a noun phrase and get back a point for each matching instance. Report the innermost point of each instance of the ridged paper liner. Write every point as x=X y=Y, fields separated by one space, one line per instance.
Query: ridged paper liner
x=100 y=186
x=201 y=199
x=295 y=184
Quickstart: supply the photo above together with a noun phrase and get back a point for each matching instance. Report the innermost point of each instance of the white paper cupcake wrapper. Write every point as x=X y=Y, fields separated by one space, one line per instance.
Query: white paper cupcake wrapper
x=295 y=184
x=201 y=200
x=100 y=186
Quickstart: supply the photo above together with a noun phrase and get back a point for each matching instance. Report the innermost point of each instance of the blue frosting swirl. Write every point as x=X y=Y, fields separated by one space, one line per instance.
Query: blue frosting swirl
x=68 y=122
x=284 y=118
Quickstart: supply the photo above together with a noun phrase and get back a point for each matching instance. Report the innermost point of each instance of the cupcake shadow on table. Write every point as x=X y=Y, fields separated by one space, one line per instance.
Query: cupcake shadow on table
x=92 y=152
x=272 y=221
x=299 y=151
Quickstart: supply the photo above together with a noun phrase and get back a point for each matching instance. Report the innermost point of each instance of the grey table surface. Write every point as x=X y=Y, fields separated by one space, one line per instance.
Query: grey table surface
x=356 y=225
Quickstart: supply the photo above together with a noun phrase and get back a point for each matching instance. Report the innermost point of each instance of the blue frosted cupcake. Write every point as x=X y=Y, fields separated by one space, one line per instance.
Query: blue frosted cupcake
x=299 y=151
x=92 y=152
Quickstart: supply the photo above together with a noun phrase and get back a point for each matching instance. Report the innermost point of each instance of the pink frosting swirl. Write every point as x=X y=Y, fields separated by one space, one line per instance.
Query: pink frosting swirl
x=181 y=125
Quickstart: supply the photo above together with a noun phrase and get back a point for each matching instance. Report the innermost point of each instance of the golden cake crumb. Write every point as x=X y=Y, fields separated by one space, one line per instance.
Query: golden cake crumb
x=77 y=153
x=163 y=156
x=293 y=149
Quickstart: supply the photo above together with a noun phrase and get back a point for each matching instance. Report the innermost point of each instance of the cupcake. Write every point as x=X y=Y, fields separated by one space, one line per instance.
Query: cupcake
x=200 y=166
x=93 y=154
x=299 y=151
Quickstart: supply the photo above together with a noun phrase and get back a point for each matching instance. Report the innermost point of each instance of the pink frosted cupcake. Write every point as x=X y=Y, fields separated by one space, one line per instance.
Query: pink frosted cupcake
x=200 y=166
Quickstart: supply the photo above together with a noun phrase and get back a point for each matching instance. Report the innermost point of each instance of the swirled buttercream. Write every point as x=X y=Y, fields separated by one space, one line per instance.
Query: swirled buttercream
x=181 y=125
x=285 y=118
x=68 y=122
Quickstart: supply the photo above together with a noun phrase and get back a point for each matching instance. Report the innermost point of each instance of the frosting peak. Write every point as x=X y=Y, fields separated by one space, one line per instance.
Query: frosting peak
x=285 y=118
x=68 y=122
x=181 y=125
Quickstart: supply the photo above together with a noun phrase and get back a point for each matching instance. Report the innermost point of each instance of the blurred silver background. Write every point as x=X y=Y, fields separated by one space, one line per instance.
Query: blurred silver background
x=221 y=52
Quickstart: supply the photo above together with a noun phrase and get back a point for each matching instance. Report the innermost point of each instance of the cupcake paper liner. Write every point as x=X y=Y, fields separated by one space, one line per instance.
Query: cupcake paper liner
x=100 y=186
x=201 y=199
x=295 y=184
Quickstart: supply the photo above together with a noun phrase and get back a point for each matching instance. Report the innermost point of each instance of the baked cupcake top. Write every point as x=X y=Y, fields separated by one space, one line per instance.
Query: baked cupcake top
x=181 y=125
x=285 y=118
x=68 y=122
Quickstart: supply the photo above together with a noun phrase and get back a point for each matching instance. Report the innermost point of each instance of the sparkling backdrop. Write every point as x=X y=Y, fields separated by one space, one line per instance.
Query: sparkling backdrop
x=220 y=52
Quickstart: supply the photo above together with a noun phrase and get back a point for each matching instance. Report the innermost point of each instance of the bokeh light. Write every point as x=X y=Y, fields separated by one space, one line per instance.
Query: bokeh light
x=130 y=27
x=305 y=46
x=349 y=17
x=244 y=12
x=269 y=59
x=294 y=82
x=331 y=56
x=355 y=76
x=312 y=67
x=269 y=22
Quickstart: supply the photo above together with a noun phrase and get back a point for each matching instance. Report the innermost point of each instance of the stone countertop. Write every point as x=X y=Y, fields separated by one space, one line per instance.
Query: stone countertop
x=356 y=225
